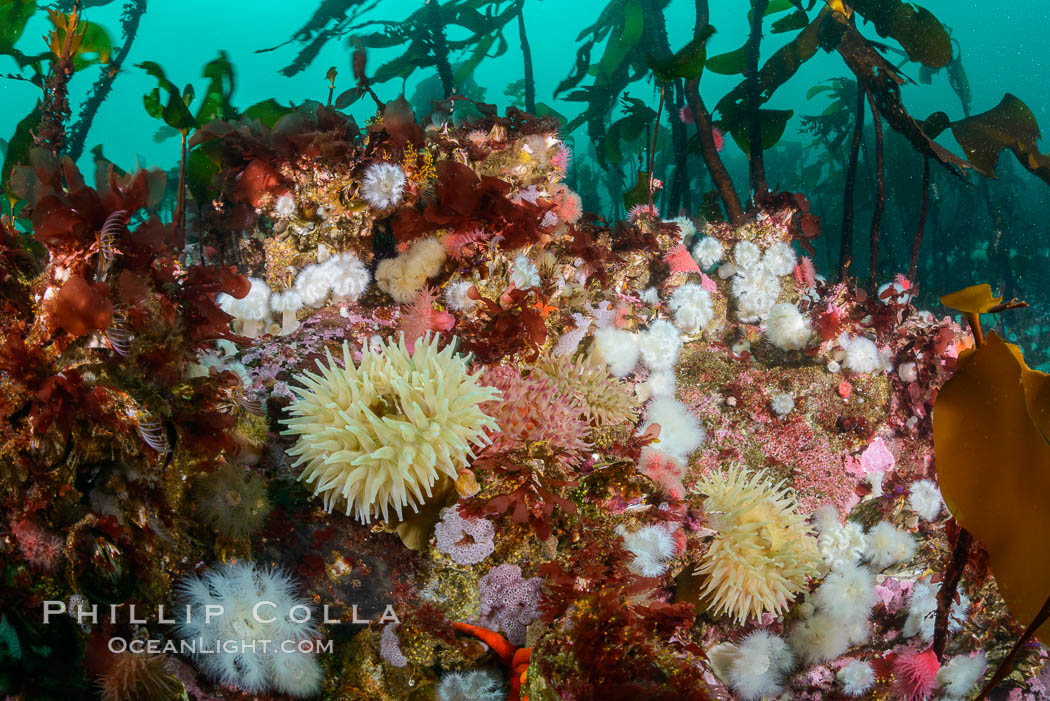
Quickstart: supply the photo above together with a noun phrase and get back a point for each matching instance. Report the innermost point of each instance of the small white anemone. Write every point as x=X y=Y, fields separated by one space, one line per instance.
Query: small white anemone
x=313 y=283
x=252 y=309
x=617 y=348
x=779 y=258
x=659 y=345
x=692 y=308
x=350 y=278
x=652 y=547
x=782 y=404
x=747 y=255
x=786 y=328
x=287 y=304
x=708 y=251
x=383 y=185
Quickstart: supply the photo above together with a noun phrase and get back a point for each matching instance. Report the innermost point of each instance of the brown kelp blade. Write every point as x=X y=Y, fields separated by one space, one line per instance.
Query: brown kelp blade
x=993 y=465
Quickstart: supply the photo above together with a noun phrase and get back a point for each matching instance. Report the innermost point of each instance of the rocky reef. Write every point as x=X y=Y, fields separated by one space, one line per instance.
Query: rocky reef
x=464 y=440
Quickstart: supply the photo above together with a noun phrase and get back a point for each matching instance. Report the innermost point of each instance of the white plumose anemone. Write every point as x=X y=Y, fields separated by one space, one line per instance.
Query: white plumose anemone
x=617 y=348
x=686 y=228
x=888 y=545
x=659 y=345
x=819 y=638
x=759 y=665
x=285 y=206
x=924 y=498
x=958 y=678
x=313 y=283
x=381 y=434
x=383 y=185
x=922 y=606
x=350 y=277
x=287 y=304
x=756 y=291
x=652 y=547
x=253 y=309
x=841 y=544
x=856 y=677
x=457 y=296
x=692 y=308
x=782 y=404
x=848 y=592
x=708 y=251
x=862 y=355
x=786 y=328
x=256 y=604
x=779 y=258
x=680 y=430
x=747 y=255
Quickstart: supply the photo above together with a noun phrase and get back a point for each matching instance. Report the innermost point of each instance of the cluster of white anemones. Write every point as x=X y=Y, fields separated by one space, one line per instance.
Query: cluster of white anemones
x=845 y=544
x=473 y=685
x=523 y=273
x=255 y=604
x=692 y=308
x=379 y=435
x=835 y=617
x=755 y=273
x=756 y=667
x=838 y=617
x=342 y=275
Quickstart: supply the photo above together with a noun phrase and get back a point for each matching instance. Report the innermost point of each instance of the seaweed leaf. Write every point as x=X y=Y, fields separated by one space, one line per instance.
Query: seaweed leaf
x=915 y=28
x=176 y=113
x=627 y=128
x=329 y=20
x=993 y=466
x=730 y=63
x=14 y=14
x=1008 y=125
x=20 y=144
x=687 y=63
x=960 y=82
x=776 y=71
x=878 y=76
x=269 y=112
x=774 y=123
x=620 y=46
x=796 y=20
x=221 y=83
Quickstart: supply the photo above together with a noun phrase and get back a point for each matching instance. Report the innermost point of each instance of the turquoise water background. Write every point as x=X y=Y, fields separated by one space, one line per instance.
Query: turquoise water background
x=1004 y=49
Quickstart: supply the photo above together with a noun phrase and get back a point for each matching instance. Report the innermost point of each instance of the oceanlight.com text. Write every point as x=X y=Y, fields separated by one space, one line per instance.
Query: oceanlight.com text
x=200 y=646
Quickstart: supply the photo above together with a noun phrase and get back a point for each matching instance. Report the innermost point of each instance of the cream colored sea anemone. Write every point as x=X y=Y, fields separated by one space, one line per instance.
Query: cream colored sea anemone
x=380 y=434
x=586 y=382
x=763 y=550
x=233 y=501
